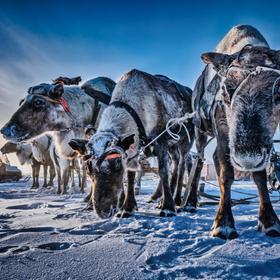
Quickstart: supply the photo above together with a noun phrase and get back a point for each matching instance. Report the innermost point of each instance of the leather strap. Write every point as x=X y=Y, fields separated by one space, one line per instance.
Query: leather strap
x=141 y=130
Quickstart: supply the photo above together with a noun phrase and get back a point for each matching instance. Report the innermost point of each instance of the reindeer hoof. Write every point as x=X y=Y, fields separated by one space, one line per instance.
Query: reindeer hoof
x=178 y=202
x=150 y=200
x=272 y=231
x=118 y=214
x=167 y=213
x=225 y=233
x=89 y=207
x=179 y=210
x=189 y=208
x=124 y=214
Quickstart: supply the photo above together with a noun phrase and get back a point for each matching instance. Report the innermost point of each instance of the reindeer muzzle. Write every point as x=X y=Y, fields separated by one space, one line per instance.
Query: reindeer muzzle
x=112 y=153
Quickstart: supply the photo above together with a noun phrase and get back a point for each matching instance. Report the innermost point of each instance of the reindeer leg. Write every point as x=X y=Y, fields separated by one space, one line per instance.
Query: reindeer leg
x=184 y=150
x=129 y=204
x=168 y=205
x=72 y=175
x=139 y=175
x=268 y=220
x=52 y=175
x=174 y=178
x=65 y=178
x=223 y=226
x=84 y=178
x=78 y=170
x=37 y=173
x=178 y=192
x=89 y=198
x=121 y=199
x=45 y=169
x=191 y=203
x=33 y=176
x=58 y=172
x=157 y=194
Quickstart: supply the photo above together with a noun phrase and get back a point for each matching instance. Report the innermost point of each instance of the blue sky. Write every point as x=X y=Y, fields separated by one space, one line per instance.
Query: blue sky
x=43 y=39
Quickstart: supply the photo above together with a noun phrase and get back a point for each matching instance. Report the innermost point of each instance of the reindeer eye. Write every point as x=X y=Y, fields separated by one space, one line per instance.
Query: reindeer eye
x=38 y=102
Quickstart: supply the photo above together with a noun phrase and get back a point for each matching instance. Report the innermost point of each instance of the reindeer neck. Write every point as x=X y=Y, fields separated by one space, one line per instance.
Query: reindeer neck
x=119 y=122
x=80 y=106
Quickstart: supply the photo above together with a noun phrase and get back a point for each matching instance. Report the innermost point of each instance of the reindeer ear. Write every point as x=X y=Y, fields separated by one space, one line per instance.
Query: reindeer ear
x=79 y=145
x=56 y=91
x=218 y=60
x=275 y=57
x=276 y=90
x=21 y=101
x=89 y=129
x=126 y=142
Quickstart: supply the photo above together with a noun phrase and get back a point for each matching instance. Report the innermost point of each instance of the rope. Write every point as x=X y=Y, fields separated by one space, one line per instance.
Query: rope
x=236 y=201
x=171 y=123
x=175 y=136
x=25 y=179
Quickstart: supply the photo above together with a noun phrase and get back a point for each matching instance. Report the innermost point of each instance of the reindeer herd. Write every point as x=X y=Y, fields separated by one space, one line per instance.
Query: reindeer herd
x=103 y=129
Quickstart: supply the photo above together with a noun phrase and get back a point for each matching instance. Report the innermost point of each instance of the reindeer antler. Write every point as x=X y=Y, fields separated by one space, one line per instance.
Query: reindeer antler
x=67 y=81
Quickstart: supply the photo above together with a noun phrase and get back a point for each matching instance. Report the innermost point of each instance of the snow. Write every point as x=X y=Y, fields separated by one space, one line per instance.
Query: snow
x=46 y=236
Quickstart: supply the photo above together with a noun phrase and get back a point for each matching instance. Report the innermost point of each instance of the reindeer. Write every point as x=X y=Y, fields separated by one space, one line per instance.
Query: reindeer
x=35 y=154
x=140 y=108
x=237 y=101
x=63 y=112
x=41 y=151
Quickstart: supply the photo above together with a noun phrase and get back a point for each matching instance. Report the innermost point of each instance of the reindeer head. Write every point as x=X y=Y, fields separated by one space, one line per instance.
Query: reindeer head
x=105 y=156
x=250 y=94
x=38 y=112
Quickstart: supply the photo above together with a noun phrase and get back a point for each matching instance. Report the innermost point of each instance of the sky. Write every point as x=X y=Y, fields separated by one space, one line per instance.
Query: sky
x=41 y=40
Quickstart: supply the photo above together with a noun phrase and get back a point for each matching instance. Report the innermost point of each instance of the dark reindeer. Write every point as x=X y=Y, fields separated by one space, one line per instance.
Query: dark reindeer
x=140 y=108
x=237 y=101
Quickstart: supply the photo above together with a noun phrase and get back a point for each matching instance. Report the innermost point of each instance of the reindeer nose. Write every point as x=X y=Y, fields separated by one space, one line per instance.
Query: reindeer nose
x=252 y=161
x=9 y=131
x=6 y=131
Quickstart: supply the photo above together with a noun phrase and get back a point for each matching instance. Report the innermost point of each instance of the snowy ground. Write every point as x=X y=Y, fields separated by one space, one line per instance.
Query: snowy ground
x=45 y=236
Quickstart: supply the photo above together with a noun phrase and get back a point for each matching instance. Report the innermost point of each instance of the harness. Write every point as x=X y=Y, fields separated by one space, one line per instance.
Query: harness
x=99 y=97
x=141 y=130
x=63 y=102
x=217 y=99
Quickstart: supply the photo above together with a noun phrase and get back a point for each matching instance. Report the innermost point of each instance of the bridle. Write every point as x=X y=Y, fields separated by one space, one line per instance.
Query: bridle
x=250 y=71
x=61 y=101
x=112 y=152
